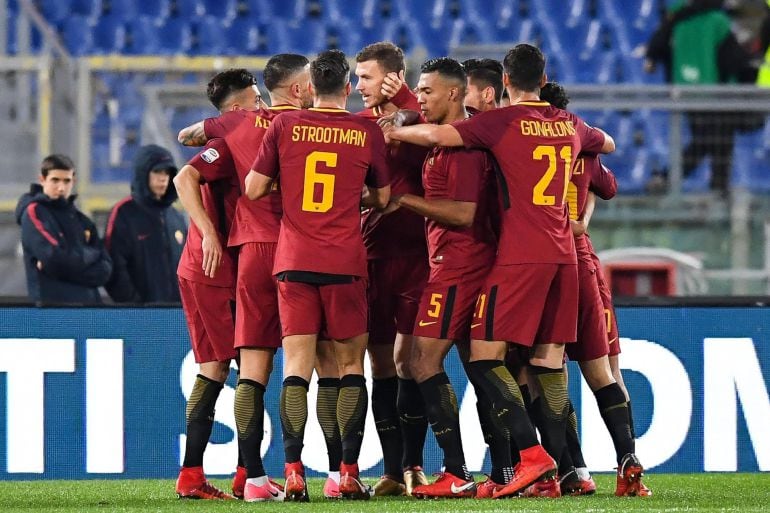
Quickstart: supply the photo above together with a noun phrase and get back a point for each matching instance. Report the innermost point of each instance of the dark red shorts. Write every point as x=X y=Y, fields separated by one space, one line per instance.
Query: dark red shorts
x=256 y=311
x=395 y=288
x=446 y=308
x=209 y=314
x=307 y=308
x=592 y=328
x=610 y=322
x=528 y=304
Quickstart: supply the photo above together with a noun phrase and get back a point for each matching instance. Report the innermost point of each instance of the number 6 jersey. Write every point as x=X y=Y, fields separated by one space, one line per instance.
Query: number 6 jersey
x=323 y=158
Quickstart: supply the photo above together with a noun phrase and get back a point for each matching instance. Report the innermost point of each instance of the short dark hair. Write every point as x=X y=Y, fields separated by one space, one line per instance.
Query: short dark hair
x=486 y=73
x=282 y=67
x=56 y=161
x=525 y=66
x=329 y=72
x=447 y=68
x=555 y=94
x=227 y=82
x=388 y=55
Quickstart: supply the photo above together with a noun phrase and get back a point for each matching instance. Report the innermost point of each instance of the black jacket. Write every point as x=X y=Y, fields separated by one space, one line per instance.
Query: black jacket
x=145 y=236
x=66 y=243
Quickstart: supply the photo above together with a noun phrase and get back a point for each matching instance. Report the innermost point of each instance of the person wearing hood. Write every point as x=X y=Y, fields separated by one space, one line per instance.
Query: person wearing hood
x=64 y=259
x=145 y=235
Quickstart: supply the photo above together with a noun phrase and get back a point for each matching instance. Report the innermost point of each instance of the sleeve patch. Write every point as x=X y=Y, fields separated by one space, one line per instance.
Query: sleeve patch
x=210 y=155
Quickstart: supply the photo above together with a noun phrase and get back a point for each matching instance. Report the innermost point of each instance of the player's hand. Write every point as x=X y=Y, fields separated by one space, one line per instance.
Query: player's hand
x=392 y=206
x=578 y=227
x=392 y=83
x=212 y=254
x=387 y=128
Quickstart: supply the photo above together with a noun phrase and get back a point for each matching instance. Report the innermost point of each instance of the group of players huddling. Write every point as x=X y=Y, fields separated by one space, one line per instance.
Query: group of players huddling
x=432 y=218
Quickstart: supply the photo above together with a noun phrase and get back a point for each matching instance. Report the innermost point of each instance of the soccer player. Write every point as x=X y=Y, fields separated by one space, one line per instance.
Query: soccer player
x=461 y=245
x=398 y=271
x=592 y=347
x=254 y=236
x=207 y=288
x=324 y=157
x=530 y=295
x=485 y=84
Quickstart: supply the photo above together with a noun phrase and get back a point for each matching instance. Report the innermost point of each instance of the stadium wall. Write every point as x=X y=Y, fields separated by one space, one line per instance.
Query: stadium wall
x=100 y=393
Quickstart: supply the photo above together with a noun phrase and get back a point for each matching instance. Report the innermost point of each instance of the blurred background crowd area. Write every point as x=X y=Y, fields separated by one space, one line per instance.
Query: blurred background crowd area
x=96 y=79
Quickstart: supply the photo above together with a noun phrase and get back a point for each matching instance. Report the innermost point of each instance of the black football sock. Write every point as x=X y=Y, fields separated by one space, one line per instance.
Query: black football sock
x=573 y=440
x=414 y=423
x=326 y=410
x=443 y=414
x=352 y=403
x=553 y=409
x=249 y=421
x=385 y=413
x=631 y=419
x=293 y=408
x=507 y=403
x=614 y=410
x=200 y=419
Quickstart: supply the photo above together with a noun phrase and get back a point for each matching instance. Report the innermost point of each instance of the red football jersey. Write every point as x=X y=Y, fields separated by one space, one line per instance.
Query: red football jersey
x=243 y=130
x=408 y=228
x=461 y=175
x=535 y=145
x=219 y=191
x=323 y=158
x=588 y=174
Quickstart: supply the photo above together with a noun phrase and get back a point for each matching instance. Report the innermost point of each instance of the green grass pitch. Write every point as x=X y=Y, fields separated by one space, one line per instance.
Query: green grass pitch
x=672 y=492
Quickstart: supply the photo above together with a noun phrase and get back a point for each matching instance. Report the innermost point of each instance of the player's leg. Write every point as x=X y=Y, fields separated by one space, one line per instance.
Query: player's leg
x=209 y=336
x=257 y=337
x=345 y=309
x=326 y=411
x=441 y=406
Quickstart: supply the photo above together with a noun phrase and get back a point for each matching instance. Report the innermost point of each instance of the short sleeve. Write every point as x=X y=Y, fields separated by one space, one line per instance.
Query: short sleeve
x=266 y=163
x=603 y=182
x=484 y=130
x=465 y=170
x=214 y=161
x=221 y=125
x=591 y=139
x=379 y=172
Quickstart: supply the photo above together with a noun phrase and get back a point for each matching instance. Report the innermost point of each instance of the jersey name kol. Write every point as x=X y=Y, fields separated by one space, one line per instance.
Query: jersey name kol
x=328 y=135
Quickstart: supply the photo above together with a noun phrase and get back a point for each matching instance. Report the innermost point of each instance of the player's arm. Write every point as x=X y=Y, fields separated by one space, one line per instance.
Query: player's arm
x=257 y=185
x=193 y=135
x=609 y=143
x=445 y=211
x=427 y=135
x=603 y=182
x=374 y=197
x=188 y=186
x=580 y=226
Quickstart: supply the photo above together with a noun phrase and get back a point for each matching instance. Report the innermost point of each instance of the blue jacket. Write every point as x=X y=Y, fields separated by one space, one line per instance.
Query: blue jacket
x=145 y=236
x=66 y=243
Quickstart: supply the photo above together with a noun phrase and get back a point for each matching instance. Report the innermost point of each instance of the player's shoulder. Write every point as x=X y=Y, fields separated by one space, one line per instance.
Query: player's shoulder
x=368 y=113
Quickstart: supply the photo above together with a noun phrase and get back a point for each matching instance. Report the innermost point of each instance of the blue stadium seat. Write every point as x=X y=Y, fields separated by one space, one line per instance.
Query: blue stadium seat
x=276 y=37
x=127 y=9
x=189 y=10
x=344 y=35
x=407 y=34
x=308 y=38
x=109 y=35
x=158 y=9
x=225 y=10
x=77 y=35
x=469 y=30
x=175 y=37
x=290 y=11
x=565 y=13
x=143 y=36
x=751 y=161
x=242 y=37
x=698 y=181
x=54 y=11
x=504 y=13
x=210 y=36
x=91 y=9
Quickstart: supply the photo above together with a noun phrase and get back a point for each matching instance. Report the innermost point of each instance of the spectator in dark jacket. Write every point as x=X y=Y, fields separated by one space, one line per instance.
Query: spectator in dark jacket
x=145 y=234
x=64 y=258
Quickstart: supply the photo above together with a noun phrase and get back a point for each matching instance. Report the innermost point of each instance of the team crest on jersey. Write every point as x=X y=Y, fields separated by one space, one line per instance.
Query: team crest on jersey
x=210 y=155
x=179 y=236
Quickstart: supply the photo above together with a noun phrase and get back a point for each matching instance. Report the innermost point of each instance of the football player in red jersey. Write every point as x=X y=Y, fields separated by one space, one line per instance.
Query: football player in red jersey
x=485 y=84
x=591 y=351
x=324 y=157
x=461 y=244
x=398 y=272
x=530 y=296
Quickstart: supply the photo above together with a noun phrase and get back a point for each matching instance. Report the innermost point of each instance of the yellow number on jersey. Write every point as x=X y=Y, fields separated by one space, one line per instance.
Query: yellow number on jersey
x=435 y=302
x=539 y=197
x=313 y=177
